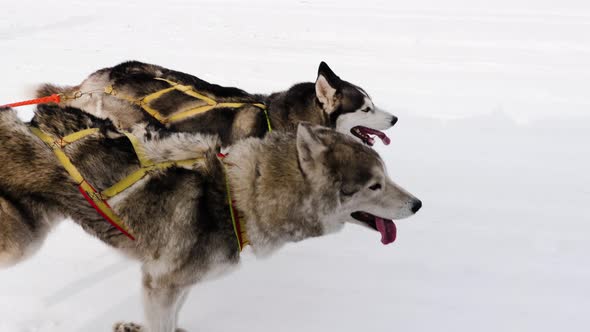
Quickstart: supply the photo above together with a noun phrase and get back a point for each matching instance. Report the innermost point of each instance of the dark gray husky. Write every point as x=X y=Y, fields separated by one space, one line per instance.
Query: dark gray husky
x=180 y=215
x=135 y=92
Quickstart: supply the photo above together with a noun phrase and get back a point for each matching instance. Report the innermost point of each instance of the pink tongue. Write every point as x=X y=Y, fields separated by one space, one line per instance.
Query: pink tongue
x=377 y=133
x=384 y=138
x=387 y=229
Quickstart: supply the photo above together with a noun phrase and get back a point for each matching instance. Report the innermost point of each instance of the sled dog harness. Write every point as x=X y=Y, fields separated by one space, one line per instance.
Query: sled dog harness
x=97 y=199
x=144 y=103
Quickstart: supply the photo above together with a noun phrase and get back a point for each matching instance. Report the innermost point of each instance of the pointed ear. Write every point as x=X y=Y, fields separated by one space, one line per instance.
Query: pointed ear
x=326 y=88
x=326 y=94
x=309 y=147
x=325 y=71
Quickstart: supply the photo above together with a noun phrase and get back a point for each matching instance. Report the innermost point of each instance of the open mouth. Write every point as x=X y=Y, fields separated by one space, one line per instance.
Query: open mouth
x=384 y=226
x=366 y=134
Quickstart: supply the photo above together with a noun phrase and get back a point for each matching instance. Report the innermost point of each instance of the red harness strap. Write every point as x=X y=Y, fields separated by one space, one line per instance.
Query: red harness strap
x=100 y=211
x=54 y=98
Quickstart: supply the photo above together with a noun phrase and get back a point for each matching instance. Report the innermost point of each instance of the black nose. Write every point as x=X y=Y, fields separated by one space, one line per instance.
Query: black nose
x=416 y=205
x=393 y=120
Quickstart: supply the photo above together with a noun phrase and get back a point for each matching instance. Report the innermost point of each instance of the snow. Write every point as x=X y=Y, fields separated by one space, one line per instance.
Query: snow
x=493 y=137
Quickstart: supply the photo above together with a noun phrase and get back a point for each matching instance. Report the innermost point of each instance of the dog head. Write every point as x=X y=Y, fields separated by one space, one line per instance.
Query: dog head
x=350 y=109
x=353 y=183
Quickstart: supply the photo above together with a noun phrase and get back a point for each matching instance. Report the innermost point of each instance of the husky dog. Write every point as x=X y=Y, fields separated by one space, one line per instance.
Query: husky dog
x=117 y=93
x=180 y=216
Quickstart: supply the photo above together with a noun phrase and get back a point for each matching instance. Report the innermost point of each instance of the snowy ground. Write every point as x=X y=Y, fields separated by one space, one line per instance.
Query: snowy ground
x=493 y=137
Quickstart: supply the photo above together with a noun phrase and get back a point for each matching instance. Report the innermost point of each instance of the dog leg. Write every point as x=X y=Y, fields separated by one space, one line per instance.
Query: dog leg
x=179 y=304
x=19 y=237
x=161 y=306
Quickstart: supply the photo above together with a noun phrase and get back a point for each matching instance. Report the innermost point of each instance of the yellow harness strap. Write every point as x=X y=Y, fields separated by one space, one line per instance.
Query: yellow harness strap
x=144 y=161
x=92 y=196
x=134 y=177
x=145 y=101
x=57 y=146
x=147 y=166
x=99 y=199
x=237 y=221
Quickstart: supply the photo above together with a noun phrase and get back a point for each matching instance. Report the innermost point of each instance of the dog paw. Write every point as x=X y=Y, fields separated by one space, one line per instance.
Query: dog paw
x=127 y=327
x=132 y=327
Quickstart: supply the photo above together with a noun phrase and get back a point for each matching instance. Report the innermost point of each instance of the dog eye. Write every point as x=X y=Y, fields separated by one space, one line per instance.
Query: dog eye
x=366 y=109
x=376 y=186
x=347 y=191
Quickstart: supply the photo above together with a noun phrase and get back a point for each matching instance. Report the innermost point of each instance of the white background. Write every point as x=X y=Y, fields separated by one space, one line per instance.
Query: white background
x=493 y=136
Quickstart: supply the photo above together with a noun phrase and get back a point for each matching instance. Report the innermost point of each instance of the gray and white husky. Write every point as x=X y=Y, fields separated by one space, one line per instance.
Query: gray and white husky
x=330 y=102
x=180 y=216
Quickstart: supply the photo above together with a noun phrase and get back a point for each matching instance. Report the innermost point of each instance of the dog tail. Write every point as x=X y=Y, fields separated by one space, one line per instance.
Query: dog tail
x=49 y=89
